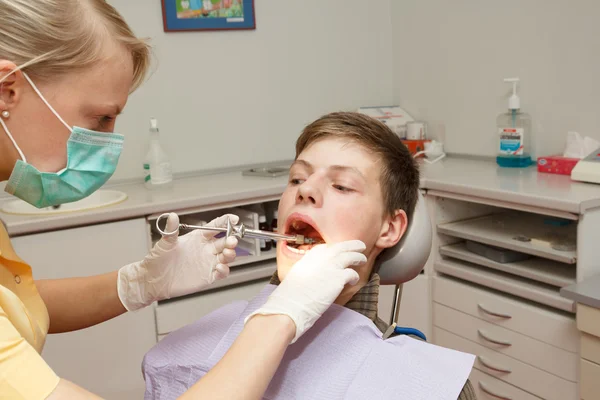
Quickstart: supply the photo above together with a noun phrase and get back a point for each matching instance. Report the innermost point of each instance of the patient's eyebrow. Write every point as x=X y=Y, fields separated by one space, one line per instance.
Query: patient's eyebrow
x=345 y=168
x=302 y=163
x=337 y=168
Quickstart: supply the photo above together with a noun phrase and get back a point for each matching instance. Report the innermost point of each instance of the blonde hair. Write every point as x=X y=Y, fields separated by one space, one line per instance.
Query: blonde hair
x=47 y=38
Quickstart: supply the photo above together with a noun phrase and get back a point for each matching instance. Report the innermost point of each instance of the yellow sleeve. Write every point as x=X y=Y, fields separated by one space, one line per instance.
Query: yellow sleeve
x=24 y=375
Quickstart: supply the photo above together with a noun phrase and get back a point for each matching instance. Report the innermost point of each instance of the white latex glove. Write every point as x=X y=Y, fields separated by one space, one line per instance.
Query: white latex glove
x=314 y=282
x=177 y=265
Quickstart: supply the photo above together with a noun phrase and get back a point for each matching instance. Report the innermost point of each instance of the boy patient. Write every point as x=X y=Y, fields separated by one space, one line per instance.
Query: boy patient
x=352 y=178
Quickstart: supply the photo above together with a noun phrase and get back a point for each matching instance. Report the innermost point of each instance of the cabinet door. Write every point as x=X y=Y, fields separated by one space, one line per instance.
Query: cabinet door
x=104 y=359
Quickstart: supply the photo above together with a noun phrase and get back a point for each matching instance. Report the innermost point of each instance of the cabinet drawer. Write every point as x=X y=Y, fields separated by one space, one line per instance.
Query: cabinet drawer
x=509 y=370
x=177 y=314
x=548 y=326
x=590 y=347
x=588 y=319
x=590 y=380
x=533 y=352
x=489 y=388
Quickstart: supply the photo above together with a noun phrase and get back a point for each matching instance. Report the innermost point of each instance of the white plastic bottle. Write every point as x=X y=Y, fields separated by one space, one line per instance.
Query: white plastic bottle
x=157 y=167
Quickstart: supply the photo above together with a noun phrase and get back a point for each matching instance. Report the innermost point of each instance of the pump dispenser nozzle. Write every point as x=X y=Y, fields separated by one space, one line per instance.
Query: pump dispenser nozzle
x=153 y=125
x=514 y=103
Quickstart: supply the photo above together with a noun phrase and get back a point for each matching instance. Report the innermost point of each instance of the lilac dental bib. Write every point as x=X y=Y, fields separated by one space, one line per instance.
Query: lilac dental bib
x=342 y=356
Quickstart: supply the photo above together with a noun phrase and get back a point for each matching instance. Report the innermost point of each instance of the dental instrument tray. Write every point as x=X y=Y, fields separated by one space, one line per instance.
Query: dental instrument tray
x=498 y=254
x=268 y=172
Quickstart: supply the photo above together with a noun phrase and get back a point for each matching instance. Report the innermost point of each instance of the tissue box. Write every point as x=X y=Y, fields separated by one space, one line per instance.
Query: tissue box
x=556 y=164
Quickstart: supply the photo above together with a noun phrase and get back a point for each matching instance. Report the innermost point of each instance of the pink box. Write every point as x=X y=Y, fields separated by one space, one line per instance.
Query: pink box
x=556 y=164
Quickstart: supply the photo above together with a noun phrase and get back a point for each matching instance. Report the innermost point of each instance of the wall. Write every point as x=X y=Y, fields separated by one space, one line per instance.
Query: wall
x=450 y=58
x=231 y=98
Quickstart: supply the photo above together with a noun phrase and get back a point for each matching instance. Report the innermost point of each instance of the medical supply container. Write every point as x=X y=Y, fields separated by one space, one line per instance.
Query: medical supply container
x=514 y=133
x=415 y=146
x=265 y=244
x=157 y=166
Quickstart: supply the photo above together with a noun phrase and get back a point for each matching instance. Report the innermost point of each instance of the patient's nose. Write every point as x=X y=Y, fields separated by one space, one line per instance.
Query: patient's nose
x=308 y=192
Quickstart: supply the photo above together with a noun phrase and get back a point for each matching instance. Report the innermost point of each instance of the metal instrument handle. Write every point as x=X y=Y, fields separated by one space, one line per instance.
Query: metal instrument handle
x=186 y=226
x=163 y=233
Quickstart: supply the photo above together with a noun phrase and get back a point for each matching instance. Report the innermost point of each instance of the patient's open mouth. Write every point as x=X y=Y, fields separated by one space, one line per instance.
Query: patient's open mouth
x=300 y=225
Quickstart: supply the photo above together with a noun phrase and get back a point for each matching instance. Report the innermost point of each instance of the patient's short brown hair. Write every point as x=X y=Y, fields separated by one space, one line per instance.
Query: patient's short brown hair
x=399 y=171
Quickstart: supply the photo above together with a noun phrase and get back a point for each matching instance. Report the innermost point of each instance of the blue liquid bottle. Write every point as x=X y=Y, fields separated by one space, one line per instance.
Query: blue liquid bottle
x=514 y=133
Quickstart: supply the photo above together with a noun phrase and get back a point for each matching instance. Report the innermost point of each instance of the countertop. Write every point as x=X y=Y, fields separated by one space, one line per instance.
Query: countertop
x=190 y=192
x=517 y=185
x=461 y=175
x=586 y=292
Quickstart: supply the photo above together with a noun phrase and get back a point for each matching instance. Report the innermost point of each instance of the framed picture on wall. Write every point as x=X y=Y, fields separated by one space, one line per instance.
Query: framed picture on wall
x=208 y=15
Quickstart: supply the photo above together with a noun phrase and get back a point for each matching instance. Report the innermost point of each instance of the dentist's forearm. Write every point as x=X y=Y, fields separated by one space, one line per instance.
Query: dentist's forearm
x=78 y=303
x=246 y=370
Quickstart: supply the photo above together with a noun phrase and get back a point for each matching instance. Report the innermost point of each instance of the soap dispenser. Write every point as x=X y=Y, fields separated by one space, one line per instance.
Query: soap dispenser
x=157 y=167
x=514 y=133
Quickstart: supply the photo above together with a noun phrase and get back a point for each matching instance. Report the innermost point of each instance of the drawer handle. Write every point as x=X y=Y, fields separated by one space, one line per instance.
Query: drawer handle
x=491 y=392
x=492 y=340
x=495 y=314
x=488 y=364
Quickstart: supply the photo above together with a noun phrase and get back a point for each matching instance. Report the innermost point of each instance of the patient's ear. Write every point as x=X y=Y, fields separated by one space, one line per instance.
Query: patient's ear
x=392 y=230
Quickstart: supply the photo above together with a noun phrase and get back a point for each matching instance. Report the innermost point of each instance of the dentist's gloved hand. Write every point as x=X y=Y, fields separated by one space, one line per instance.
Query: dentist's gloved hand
x=177 y=265
x=314 y=282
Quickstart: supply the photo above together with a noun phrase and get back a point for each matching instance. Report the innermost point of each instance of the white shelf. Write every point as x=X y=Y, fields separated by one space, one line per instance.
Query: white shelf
x=538 y=269
x=512 y=285
x=501 y=229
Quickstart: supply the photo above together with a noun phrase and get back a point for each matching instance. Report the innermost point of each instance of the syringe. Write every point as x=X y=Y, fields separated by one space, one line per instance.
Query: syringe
x=239 y=231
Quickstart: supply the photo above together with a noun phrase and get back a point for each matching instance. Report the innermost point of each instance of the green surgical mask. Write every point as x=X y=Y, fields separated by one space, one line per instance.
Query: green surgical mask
x=92 y=158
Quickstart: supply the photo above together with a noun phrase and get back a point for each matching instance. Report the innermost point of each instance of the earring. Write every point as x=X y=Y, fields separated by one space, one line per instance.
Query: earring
x=5 y=114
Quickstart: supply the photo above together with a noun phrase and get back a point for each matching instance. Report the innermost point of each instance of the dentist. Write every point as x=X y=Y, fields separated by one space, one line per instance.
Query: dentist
x=67 y=68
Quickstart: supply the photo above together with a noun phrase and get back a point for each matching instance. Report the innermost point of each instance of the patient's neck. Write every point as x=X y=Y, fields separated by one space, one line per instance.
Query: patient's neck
x=350 y=290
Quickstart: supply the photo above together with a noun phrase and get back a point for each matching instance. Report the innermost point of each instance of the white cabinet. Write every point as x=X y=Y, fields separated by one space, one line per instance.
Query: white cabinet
x=496 y=270
x=105 y=359
x=588 y=322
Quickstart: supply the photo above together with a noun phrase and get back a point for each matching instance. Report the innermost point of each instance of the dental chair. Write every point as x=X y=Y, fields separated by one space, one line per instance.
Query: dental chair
x=406 y=260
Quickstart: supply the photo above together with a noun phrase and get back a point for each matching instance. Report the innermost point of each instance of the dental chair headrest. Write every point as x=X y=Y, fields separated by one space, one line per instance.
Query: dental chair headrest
x=406 y=259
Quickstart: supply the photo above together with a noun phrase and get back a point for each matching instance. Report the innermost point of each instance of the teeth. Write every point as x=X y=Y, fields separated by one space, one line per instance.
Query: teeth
x=297 y=251
x=296 y=225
